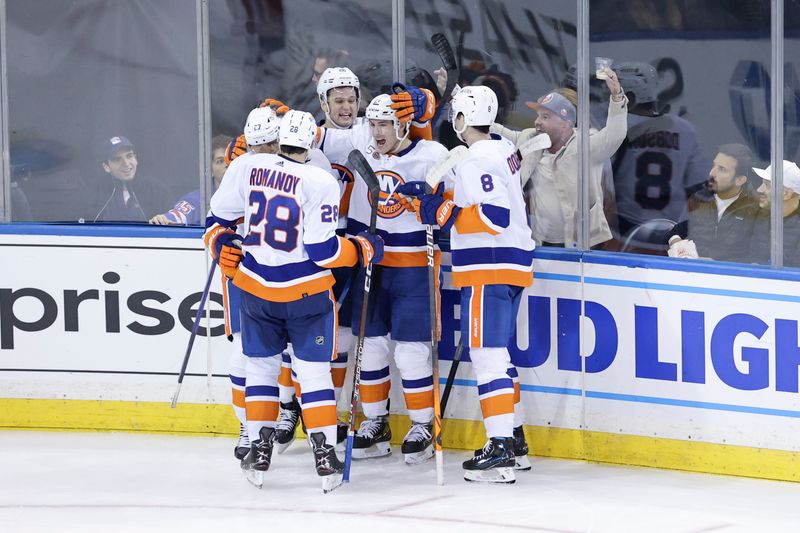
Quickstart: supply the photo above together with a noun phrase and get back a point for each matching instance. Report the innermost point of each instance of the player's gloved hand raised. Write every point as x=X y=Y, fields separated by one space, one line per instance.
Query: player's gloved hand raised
x=434 y=209
x=409 y=193
x=279 y=107
x=412 y=103
x=369 y=247
x=227 y=249
x=236 y=147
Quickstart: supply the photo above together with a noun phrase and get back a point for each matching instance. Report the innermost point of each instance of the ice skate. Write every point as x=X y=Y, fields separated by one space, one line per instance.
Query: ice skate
x=418 y=444
x=372 y=439
x=243 y=445
x=493 y=464
x=257 y=461
x=521 y=450
x=285 y=429
x=329 y=467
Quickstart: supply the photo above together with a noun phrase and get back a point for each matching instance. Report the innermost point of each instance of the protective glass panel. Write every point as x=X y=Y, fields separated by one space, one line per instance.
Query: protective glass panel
x=103 y=108
x=696 y=75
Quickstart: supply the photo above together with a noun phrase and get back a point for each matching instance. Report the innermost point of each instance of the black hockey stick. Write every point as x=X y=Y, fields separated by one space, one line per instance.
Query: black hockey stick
x=194 y=333
x=451 y=377
x=360 y=165
x=445 y=51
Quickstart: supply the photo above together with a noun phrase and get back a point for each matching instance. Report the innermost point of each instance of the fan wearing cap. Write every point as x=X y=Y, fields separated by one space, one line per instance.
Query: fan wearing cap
x=126 y=196
x=550 y=163
x=791 y=214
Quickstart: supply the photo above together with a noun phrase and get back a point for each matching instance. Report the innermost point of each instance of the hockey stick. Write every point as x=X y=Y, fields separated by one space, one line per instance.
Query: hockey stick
x=360 y=165
x=445 y=51
x=452 y=375
x=194 y=333
x=432 y=179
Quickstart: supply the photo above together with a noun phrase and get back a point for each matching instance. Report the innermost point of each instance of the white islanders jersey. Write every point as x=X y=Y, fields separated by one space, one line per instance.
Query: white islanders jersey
x=403 y=235
x=288 y=209
x=491 y=240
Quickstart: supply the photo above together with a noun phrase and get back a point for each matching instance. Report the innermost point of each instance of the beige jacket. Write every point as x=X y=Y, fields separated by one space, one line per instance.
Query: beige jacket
x=602 y=145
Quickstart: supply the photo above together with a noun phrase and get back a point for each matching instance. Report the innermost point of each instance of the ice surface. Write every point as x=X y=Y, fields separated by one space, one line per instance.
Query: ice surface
x=92 y=482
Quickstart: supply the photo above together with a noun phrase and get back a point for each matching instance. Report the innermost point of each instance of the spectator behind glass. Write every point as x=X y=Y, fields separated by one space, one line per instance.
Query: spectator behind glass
x=187 y=211
x=791 y=215
x=721 y=222
x=660 y=163
x=554 y=171
x=124 y=195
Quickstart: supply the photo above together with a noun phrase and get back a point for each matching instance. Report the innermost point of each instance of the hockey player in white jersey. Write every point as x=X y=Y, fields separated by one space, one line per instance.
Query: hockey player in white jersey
x=339 y=95
x=261 y=134
x=492 y=255
x=290 y=211
x=399 y=300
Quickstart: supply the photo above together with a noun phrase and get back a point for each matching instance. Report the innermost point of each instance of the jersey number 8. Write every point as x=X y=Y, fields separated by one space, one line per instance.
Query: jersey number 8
x=281 y=215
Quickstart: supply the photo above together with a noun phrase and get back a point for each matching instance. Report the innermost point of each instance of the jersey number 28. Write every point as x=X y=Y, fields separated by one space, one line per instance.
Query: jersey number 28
x=281 y=215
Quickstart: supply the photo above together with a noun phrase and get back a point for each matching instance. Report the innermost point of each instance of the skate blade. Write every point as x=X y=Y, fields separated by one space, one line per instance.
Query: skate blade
x=255 y=477
x=418 y=457
x=280 y=448
x=380 y=449
x=491 y=475
x=331 y=483
x=522 y=463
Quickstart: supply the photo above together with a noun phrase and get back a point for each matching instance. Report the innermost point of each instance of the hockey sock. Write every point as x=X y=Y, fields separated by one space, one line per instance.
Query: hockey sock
x=414 y=364
x=237 y=363
x=261 y=393
x=495 y=390
x=375 y=380
x=318 y=402
x=285 y=382
x=519 y=413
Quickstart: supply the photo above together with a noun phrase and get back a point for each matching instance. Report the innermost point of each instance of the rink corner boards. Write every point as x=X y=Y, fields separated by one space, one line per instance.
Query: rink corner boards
x=552 y=442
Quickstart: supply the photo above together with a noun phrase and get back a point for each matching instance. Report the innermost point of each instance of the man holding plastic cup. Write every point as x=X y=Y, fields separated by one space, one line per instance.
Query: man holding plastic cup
x=550 y=165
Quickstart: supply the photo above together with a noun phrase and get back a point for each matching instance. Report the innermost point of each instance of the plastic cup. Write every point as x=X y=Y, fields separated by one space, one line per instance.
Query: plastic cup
x=600 y=64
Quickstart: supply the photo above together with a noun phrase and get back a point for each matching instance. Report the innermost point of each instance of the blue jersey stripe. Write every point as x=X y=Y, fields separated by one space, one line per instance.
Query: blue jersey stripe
x=414 y=238
x=282 y=273
x=471 y=256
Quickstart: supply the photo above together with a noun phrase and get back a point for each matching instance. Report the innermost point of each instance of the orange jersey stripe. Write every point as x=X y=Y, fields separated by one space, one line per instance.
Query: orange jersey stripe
x=344 y=203
x=258 y=411
x=502 y=404
x=317 y=417
x=283 y=294
x=419 y=400
x=517 y=396
x=469 y=221
x=237 y=398
x=408 y=259
x=374 y=393
x=471 y=278
x=348 y=255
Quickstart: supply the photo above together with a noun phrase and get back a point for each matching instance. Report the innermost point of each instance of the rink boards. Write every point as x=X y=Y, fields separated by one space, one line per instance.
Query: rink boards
x=622 y=358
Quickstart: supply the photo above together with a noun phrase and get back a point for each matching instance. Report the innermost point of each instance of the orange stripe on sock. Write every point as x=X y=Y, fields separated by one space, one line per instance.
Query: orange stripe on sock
x=257 y=411
x=237 y=397
x=285 y=377
x=516 y=393
x=375 y=393
x=419 y=400
x=502 y=404
x=317 y=417
x=297 y=389
x=337 y=375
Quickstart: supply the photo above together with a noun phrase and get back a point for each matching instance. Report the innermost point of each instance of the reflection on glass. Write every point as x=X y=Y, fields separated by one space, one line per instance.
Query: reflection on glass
x=697 y=78
x=80 y=74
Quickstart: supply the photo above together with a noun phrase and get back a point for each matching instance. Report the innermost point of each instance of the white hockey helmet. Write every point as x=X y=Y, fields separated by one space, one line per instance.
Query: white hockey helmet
x=478 y=105
x=337 y=77
x=380 y=108
x=298 y=129
x=638 y=78
x=261 y=126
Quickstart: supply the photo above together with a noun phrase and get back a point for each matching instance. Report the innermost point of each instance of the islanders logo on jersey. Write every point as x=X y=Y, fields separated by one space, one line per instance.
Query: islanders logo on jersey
x=389 y=205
